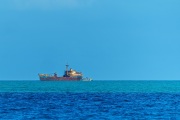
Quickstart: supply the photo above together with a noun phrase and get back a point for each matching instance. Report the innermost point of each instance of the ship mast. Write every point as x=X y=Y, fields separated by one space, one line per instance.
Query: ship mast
x=67 y=69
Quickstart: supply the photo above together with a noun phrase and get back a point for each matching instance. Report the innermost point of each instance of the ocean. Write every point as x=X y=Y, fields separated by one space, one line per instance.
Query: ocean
x=96 y=100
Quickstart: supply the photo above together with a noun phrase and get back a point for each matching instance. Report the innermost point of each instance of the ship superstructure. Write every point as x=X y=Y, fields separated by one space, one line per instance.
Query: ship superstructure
x=71 y=75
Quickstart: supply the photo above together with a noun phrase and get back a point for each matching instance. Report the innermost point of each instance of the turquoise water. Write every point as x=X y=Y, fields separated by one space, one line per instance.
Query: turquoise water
x=96 y=100
x=94 y=86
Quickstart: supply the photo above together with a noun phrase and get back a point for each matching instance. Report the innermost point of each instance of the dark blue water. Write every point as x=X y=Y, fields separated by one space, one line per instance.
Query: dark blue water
x=104 y=100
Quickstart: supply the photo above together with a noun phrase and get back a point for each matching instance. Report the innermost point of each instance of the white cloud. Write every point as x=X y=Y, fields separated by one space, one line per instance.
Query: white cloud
x=48 y=4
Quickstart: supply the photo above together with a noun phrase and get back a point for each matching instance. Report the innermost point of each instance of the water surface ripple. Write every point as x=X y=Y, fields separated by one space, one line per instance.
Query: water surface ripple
x=90 y=100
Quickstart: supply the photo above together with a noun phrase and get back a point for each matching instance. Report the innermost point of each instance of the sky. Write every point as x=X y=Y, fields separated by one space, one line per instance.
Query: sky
x=104 y=39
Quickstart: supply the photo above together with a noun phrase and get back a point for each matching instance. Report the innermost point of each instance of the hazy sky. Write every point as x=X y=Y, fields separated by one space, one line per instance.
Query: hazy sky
x=104 y=39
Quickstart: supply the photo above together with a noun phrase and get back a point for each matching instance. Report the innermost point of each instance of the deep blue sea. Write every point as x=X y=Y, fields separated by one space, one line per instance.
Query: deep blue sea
x=96 y=100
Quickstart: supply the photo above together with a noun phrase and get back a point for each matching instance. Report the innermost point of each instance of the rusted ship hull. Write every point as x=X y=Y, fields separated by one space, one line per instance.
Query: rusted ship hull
x=59 y=79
